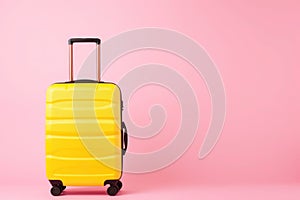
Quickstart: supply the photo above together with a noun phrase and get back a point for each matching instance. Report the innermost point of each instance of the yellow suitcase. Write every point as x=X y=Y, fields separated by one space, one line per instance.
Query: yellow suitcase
x=85 y=136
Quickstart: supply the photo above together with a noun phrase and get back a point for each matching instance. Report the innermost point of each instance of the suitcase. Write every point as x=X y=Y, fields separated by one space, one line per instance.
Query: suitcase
x=85 y=136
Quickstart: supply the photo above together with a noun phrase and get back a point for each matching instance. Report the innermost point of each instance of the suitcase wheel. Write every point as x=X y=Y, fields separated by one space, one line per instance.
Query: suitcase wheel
x=114 y=188
x=56 y=190
x=62 y=187
x=57 y=187
x=119 y=184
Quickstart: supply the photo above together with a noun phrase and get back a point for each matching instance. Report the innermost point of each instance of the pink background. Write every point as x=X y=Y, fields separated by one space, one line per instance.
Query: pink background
x=255 y=45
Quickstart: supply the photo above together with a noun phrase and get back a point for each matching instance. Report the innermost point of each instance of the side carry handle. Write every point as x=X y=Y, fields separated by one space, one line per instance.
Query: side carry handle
x=125 y=138
x=84 y=40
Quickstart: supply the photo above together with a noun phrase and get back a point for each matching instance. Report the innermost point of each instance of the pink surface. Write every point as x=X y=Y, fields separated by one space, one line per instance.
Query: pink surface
x=255 y=46
x=232 y=192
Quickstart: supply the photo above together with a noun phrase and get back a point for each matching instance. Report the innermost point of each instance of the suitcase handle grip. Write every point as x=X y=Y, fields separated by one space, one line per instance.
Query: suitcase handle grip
x=125 y=138
x=89 y=40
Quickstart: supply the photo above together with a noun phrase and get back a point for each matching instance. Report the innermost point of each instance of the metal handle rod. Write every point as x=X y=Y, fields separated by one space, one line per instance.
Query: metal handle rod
x=71 y=62
x=73 y=40
x=98 y=63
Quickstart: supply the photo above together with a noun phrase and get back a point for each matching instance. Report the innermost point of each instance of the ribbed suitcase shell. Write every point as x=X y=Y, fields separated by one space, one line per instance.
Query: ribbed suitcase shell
x=83 y=133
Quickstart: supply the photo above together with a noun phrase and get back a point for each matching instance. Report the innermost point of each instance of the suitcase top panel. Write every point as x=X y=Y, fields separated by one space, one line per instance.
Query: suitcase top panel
x=80 y=91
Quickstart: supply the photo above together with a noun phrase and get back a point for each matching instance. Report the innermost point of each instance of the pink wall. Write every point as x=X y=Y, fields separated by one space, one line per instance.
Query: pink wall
x=255 y=45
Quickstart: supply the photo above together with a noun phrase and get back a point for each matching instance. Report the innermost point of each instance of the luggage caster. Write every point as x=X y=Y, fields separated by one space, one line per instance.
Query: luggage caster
x=114 y=188
x=56 y=190
x=62 y=187
x=57 y=187
x=119 y=184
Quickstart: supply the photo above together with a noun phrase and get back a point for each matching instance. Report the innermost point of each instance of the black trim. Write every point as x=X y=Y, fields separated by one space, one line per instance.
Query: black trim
x=124 y=138
x=76 y=40
x=56 y=182
x=83 y=81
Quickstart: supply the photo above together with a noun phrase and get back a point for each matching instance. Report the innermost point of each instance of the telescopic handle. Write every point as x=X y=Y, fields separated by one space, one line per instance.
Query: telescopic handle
x=84 y=40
